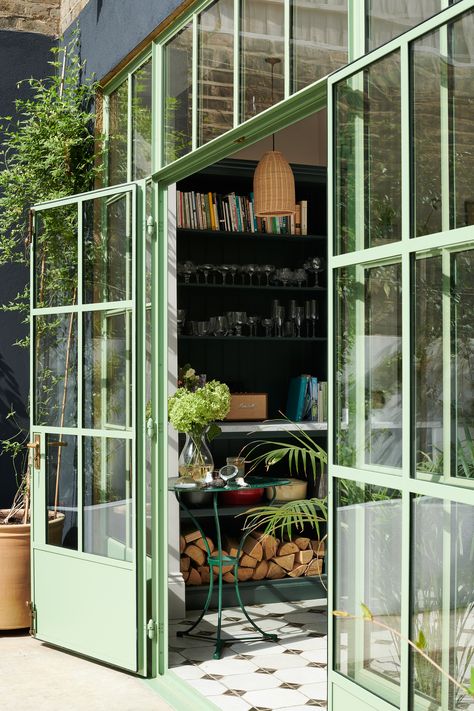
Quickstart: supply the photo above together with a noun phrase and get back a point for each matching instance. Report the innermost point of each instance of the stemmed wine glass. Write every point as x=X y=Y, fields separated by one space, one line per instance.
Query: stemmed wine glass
x=253 y=322
x=314 y=265
x=180 y=320
x=314 y=316
x=268 y=269
x=206 y=269
x=267 y=324
x=299 y=320
x=240 y=320
x=233 y=269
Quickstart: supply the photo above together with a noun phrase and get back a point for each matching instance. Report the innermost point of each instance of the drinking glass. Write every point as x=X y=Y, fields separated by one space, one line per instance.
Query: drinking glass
x=251 y=270
x=307 y=315
x=253 y=322
x=233 y=269
x=231 y=321
x=268 y=270
x=188 y=269
x=299 y=320
x=279 y=320
x=240 y=320
x=285 y=275
x=223 y=270
x=267 y=324
x=206 y=269
x=203 y=328
x=222 y=326
x=180 y=320
x=314 y=316
x=300 y=276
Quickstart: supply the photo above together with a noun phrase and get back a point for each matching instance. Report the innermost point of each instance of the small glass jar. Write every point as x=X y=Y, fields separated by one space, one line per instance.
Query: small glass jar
x=238 y=462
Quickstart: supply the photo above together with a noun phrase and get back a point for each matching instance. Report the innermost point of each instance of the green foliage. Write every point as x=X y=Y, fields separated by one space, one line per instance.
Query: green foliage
x=48 y=152
x=279 y=521
x=192 y=411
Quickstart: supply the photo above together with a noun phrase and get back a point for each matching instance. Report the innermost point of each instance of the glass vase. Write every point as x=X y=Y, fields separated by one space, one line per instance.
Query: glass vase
x=195 y=460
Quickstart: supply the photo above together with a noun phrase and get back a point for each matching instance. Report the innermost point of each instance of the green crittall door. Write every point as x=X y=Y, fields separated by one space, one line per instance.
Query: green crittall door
x=401 y=167
x=87 y=554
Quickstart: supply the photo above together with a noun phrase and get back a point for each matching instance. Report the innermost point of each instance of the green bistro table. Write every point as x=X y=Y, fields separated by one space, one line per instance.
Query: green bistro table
x=219 y=561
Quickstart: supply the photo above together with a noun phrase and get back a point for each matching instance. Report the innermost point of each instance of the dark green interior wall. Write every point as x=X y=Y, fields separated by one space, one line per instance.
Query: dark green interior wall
x=22 y=55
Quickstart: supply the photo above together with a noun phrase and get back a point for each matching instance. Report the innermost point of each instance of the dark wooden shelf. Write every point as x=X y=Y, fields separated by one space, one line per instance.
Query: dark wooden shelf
x=262 y=591
x=262 y=339
x=224 y=234
x=255 y=287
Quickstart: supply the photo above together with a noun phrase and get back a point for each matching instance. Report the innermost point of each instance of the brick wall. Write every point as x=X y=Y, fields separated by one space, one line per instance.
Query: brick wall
x=70 y=9
x=39 y=16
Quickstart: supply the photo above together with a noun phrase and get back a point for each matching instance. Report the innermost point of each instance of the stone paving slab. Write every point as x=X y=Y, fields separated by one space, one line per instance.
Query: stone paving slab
x=37 y=677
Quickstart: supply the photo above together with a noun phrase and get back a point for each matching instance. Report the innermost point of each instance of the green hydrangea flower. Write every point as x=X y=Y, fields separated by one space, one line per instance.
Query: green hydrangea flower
x=192 y=411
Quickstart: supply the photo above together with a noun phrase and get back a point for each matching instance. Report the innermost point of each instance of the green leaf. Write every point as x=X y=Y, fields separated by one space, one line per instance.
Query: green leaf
x=420 y=641
x=366 y=613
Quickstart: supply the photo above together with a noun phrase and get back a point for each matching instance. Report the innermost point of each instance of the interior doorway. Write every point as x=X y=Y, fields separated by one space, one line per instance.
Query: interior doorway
x=271 y=273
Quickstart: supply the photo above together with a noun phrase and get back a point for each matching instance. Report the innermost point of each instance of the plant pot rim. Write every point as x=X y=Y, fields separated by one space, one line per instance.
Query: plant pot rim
x=17 y=527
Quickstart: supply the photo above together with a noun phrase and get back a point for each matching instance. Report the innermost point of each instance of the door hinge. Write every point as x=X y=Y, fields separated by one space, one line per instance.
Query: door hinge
x=150 y=226
x=151 y=427
x=151 y=629
x=32 y=607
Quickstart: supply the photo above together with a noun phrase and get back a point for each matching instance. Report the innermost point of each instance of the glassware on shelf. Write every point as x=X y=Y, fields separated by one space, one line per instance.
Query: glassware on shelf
x=206 y=269
x=238 y=462
x=253 y=322
x=222 y=326
x=231 y=321
x=300 y=311
x=267 y=324
x=278 y=320
x=223 y=270
x=268 y=270
x=251 y=270
x=188 y=269
x=203 y=328
x=233 y=269
x=228 y=472
x=314 y=312
x=180 y=320
x=240 y=321
x=307 y=315
x=314 y=265
x=300 y=276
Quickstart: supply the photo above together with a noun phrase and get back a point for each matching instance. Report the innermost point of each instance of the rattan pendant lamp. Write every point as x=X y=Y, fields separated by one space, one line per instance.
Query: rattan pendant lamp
x=273 y=180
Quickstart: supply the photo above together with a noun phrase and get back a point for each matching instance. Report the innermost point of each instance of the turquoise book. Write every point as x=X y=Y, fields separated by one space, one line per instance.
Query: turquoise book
x=297 y=395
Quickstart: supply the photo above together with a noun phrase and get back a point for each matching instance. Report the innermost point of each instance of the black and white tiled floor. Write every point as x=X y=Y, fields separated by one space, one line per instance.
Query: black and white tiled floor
x=289 y=675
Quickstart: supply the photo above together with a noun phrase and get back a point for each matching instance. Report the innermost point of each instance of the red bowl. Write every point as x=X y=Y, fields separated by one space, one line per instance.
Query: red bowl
x=241 y=497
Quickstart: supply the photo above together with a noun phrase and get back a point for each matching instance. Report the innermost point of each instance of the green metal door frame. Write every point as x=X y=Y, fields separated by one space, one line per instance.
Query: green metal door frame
x=135 y=305
x=343 y=692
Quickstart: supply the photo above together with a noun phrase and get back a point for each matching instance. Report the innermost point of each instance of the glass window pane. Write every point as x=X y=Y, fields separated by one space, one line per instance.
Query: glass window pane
x=108 y=499
x=55 y=360
x=462 y=358
x=61 y=490
x=261 y=40
x=369 y=366
x=319 y=39
x=427 y=69
x=216 y=66
x=428 y=366
x=141 y=122
x=178 y=58
x=442 y=603
x=461 y=76
x=107 y=249
x=387 y=19
x=56 y=257
x=368 y=571
x=118 y=135
x=107 y=370
x=368 y=157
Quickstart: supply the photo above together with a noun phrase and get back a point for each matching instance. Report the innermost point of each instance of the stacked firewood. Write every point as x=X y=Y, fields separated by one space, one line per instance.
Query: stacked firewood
x=262 y=557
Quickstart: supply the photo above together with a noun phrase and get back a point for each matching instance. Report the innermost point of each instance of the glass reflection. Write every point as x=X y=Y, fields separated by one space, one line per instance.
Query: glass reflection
x=368 y=142
x=442 y=603
x=215 y=72
x=386 y=19
x=108 y=511
x=427 y=69
x=56 y=257
x=107 y=369
x=107 y=249
x=368 y=571
x=368 y=366
x=118 y=135
x=319 y=39
x=461 y=78
x=141 y=121
x=428 y=365
x=56 y=370
x=462 y=372
x=178 y=95
x=61 y=491
x=262 y=55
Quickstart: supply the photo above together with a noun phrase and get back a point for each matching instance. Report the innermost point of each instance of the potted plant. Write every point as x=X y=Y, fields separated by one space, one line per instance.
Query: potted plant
x=304 y=457
x=49 y=152
x=193 y=410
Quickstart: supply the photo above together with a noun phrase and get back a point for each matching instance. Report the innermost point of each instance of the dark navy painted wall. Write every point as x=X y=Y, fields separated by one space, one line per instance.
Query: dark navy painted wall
x=110 y=29
x=22 y=55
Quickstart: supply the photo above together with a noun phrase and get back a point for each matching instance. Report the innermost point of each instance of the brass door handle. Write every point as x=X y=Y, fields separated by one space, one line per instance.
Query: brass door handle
x=36 y=446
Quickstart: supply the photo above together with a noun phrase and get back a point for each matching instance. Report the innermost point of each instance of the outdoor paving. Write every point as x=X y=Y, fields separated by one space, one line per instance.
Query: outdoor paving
x=36 y=677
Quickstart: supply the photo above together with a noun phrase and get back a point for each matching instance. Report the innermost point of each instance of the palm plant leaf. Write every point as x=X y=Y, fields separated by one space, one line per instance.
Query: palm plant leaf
x=279 y=521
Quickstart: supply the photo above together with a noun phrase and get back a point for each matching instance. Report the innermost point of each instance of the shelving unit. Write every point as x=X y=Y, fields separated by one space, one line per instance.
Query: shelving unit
x=256 y=363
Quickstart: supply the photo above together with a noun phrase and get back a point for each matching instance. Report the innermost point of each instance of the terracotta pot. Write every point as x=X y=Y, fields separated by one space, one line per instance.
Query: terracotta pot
x=15 y=590
x=241 y=497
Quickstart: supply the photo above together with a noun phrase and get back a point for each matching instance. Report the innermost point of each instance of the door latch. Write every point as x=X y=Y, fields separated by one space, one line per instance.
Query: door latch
x=150 y=427
x=36 y=446
x=32 y=608
x=151 y=629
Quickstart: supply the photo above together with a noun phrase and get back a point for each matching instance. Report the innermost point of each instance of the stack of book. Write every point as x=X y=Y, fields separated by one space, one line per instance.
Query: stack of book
x=307 y=399
x=234 y=213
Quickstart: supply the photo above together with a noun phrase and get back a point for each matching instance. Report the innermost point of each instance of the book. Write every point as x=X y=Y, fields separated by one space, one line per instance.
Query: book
x=296 y=397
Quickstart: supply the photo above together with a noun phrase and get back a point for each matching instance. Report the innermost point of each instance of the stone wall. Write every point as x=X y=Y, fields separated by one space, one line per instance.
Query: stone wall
x=39 y=16
x=70 y=9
